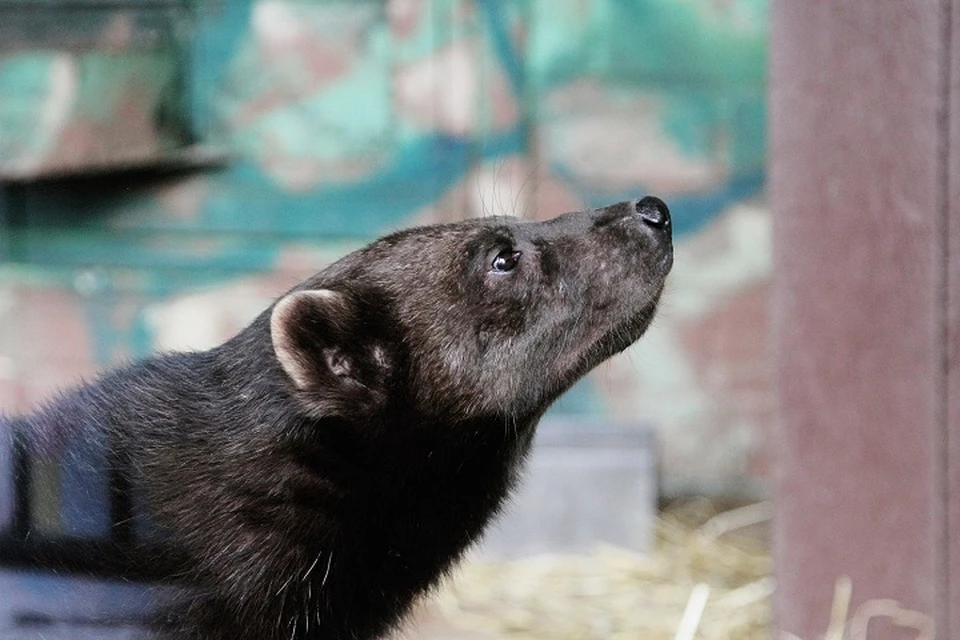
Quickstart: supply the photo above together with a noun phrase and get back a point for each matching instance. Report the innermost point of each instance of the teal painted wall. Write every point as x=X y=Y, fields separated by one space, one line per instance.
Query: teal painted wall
x=170 y=167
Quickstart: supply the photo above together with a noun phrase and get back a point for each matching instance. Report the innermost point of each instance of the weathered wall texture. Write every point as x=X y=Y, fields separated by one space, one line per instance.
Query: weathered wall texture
x=338 y=121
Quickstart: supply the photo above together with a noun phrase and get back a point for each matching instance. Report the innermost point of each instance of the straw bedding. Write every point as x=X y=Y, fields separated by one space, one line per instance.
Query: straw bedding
x=708 y=576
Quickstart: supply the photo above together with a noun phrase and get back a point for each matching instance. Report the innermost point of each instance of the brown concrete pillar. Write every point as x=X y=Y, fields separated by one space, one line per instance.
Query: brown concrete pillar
x=865 y=186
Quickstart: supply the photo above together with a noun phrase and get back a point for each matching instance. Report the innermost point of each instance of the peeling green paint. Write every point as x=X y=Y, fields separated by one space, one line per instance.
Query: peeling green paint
x=321 y=147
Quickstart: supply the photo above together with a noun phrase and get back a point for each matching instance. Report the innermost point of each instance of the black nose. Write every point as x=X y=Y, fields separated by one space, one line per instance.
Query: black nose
x=654 y=212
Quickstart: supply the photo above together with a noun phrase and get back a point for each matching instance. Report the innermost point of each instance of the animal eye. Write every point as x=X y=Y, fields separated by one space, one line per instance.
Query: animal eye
x=505 y=261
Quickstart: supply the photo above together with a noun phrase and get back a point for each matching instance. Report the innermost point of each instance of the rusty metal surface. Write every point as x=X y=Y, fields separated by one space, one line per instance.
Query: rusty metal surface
x=856 y=180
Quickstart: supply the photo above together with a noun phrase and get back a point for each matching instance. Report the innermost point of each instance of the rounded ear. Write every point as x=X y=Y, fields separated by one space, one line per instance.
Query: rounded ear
x=306 y=328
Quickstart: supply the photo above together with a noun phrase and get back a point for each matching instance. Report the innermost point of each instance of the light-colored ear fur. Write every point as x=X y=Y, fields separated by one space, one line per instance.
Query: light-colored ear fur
x=284 y=313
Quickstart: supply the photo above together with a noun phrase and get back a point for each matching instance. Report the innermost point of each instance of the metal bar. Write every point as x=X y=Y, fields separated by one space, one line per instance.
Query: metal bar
x=21 y=468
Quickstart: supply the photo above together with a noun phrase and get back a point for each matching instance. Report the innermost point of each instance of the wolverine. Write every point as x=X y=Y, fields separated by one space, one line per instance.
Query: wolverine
x=325 y=467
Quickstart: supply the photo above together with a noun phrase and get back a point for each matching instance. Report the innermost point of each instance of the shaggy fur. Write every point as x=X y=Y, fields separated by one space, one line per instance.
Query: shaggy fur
x=327 y=465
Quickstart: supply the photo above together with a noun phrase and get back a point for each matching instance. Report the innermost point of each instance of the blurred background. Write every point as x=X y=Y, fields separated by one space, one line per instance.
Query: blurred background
x=169 y=167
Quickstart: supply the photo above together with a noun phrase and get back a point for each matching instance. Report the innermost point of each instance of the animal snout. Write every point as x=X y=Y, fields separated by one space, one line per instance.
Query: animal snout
x=653 y=211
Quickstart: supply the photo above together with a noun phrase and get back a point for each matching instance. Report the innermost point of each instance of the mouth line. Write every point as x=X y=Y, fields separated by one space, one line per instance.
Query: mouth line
x=608 y=343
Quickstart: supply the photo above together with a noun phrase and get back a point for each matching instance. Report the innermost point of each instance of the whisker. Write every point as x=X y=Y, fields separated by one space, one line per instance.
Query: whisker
x=326 y=574
x=315 y=561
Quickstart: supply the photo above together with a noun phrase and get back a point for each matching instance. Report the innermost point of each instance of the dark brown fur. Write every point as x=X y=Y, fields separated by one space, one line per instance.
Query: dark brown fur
x=327 y=465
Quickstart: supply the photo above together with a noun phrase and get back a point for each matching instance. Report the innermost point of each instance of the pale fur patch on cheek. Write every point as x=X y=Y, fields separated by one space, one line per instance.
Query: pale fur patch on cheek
x=380 y=357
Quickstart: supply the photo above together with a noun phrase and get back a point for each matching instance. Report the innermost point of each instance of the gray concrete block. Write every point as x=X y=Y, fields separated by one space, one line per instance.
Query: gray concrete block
x=586 y=483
